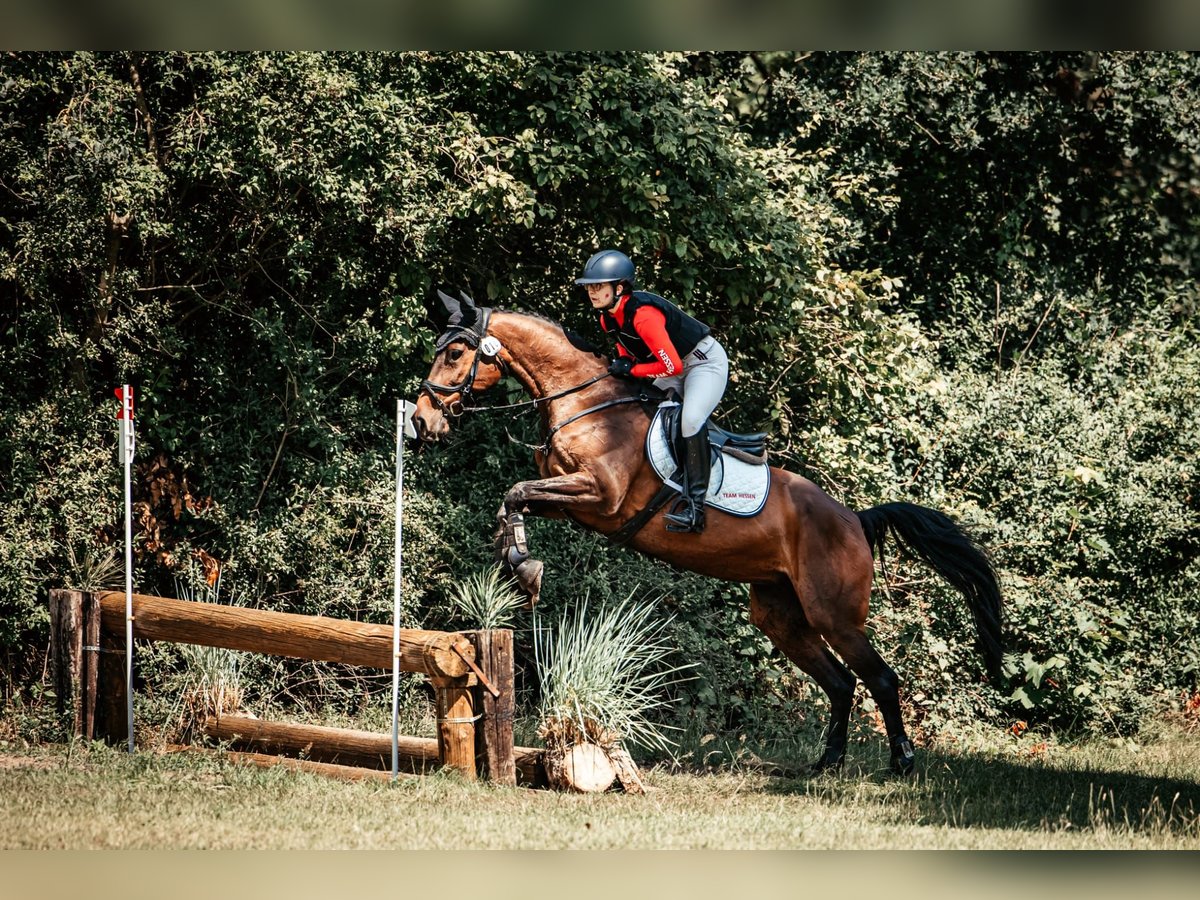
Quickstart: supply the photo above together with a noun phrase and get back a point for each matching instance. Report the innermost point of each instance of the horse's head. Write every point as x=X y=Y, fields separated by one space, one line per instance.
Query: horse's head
x=467 y=362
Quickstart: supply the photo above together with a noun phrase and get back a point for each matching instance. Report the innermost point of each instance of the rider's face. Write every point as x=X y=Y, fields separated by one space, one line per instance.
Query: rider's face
x=601 y=295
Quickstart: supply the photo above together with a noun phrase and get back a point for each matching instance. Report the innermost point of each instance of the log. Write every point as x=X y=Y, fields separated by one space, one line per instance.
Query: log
x=627 y=771
x=588 y=770
x=434 y=653
x=264 y=761
x=493 y=733
x=351 y=747
x=343 y=746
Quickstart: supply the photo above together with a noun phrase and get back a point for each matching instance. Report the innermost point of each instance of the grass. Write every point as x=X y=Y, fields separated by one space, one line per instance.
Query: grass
x=1095 y=795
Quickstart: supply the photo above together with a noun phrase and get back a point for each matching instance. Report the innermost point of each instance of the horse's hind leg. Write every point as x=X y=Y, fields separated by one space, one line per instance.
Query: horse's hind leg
x=852 y=644
x=776 y=610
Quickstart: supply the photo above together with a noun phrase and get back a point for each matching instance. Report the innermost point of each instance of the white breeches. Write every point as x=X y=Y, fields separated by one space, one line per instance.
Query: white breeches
x=701 y=383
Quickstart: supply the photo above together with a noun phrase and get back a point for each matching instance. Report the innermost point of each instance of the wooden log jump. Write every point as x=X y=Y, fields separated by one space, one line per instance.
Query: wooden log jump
x=350 y=747
x=88 y=649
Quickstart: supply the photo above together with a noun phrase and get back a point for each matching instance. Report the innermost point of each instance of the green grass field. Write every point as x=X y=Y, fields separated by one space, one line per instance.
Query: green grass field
x=1089 y=796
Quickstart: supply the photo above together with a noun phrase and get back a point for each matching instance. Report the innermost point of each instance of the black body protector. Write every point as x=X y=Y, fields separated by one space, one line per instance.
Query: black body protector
x=684 y=331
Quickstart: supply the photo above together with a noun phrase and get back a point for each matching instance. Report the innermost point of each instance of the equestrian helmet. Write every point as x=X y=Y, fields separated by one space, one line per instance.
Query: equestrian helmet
x=607 y=265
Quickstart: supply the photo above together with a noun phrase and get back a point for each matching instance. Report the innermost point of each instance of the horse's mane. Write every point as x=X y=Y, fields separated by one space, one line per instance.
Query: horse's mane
x=576 y=340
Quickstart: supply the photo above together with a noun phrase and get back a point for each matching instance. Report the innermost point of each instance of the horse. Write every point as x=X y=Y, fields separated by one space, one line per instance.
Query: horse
x=809 y=560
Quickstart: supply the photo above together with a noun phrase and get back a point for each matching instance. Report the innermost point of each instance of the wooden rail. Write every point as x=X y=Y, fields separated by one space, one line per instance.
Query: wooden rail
x=436 y=653
x=88 y=649
x=349 y=747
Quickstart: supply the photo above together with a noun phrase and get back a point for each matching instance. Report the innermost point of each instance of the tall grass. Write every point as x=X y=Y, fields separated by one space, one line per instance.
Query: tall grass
x=210 y=679
x=94 y=569
x=603 y=673
x=486 y=599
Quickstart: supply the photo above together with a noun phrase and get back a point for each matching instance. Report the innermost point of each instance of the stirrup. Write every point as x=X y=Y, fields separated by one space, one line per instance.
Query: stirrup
x=684 y=517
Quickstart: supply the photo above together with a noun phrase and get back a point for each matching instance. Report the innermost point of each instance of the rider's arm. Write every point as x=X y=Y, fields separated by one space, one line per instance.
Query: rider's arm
x=651 y=326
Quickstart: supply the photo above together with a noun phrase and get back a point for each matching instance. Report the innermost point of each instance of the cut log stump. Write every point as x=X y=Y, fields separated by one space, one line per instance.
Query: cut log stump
x=587 y=769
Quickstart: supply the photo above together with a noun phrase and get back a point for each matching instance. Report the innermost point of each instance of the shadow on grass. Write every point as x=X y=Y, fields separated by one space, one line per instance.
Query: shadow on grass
x=966 y=790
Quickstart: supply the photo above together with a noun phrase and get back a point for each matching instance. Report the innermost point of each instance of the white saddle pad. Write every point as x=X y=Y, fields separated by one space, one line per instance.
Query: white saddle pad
x=734 y=486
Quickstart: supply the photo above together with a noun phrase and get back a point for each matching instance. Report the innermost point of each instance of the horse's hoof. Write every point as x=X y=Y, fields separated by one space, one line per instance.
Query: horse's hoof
x=529 y=579
x=904 y=761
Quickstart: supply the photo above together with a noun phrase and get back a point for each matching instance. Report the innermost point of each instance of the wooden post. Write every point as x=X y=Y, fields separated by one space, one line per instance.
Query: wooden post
x=91 y=662
x=494 y=733
x=111 y=722
x=74 y=651
x=67 y=655
x=456 y=724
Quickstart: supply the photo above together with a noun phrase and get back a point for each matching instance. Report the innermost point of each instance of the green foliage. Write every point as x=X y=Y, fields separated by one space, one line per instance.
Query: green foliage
x=981 y=178
x=967 y=280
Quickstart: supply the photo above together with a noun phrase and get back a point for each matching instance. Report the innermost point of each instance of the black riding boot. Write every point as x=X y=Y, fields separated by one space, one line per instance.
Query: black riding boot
x=688 y=512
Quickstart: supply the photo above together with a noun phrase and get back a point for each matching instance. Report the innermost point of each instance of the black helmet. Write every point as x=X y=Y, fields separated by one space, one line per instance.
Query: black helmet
x=607 y=265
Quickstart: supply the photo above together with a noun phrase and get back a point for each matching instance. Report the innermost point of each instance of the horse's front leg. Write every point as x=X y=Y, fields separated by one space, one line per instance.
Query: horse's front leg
x=538 y=497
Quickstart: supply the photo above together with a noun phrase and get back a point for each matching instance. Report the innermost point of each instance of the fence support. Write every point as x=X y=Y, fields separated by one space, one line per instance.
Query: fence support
x=494 y=731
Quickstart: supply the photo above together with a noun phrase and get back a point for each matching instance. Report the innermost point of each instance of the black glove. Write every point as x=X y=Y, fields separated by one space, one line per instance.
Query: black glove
x=621 y=367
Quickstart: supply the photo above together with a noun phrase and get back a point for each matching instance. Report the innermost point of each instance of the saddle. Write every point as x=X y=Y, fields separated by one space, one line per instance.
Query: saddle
x=740 y=480
x=749 y=448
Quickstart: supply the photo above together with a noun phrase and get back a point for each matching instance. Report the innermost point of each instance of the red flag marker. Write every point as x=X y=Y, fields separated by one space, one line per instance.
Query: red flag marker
x=126 y=403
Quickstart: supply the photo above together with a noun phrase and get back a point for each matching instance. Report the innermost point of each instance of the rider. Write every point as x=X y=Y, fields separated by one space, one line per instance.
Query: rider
x=658 y=340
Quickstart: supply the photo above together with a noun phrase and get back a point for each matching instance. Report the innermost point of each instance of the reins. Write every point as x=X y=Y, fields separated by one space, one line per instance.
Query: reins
x=465 y=387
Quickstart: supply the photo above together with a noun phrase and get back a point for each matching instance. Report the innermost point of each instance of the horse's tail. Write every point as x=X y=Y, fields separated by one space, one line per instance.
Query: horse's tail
x=939 y=542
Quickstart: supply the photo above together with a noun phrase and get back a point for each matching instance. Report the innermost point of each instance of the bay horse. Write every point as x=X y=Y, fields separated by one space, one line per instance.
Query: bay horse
x=808 y=559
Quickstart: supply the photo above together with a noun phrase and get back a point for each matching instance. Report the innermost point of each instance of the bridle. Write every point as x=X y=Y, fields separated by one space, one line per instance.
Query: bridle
x=476 y=336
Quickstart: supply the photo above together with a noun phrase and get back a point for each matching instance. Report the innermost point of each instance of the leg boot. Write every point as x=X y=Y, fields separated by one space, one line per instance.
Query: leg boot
x=688 y=514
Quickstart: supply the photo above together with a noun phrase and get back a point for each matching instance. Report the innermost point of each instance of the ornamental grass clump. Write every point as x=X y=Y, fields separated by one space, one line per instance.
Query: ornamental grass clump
x=210 y=680
x=602 y=673
x=486 y=599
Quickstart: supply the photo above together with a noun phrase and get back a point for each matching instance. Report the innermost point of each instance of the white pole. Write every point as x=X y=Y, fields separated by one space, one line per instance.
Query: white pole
x=404 y=428
x=396 y=591
x=127 y=441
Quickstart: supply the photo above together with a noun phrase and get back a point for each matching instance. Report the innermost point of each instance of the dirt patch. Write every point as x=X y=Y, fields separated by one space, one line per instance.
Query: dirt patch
x=14 y=761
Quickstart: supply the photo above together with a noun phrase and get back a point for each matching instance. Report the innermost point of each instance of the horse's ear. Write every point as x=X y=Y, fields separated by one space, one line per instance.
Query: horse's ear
x=443 y=309
x=470 y=313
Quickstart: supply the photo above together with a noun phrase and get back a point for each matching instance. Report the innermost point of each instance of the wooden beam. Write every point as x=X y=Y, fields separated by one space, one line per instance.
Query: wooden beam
x=351 y=747
x=344 y=746
x=264 y=761
x=433 y=653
